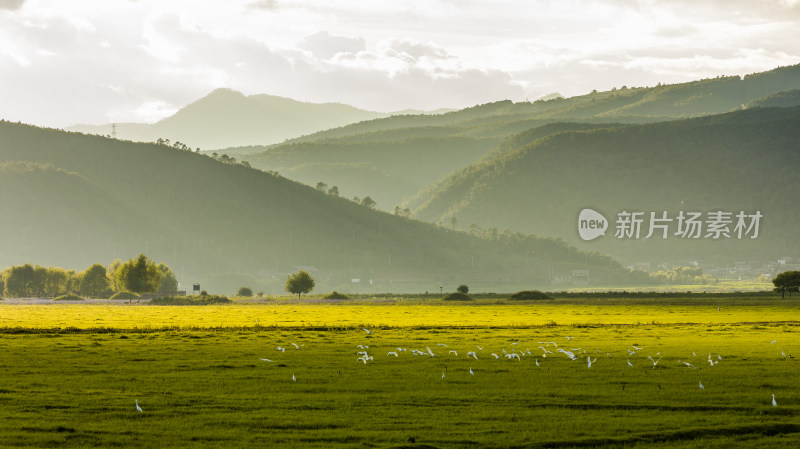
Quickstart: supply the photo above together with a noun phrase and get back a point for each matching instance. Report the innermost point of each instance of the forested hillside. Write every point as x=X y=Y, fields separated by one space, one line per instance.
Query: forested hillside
x=69 y=200
x=740 y=161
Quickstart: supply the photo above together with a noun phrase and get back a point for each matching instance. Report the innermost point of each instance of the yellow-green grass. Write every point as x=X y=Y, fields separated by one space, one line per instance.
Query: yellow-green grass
x=481 y=314
x=209 y=388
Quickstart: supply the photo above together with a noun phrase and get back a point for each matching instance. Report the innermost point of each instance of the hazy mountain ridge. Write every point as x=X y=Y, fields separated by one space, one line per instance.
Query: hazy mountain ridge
x=226 y=118
x=490 y=124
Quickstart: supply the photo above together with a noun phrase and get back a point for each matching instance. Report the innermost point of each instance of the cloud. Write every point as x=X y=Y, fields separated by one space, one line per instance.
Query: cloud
x=11 y=4
x=325 y=46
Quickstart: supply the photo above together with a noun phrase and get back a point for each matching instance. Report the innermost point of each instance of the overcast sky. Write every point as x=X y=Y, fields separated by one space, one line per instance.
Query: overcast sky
x=97 y=61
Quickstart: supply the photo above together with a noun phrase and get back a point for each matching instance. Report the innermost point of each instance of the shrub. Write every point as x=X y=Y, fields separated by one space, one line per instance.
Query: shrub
x=335 y=295
x=463 y=289
x=125 y=295
x=526 y=295
x=68 y=297
x=189 y=301
x=245 y=292
x=457 y=296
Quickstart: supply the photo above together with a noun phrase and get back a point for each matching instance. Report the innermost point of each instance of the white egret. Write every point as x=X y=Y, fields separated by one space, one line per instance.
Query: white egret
x=537 y=361
x=295 y=346
x=391 y=353
x=783 y=353
x=655 y=362
x=429 y=351
x=442 y=375
x=470 y=371
x=294 y=379
x=774 y=341
x=473 y=354
x=687 y=364
x=265 y=360
x=453 y=352
x=701 y=385
x=495 y=355
x=281 y=349
x=629 y=363
x=774 y=404
x=589 y=361
x=568 y=338
x=513 y=355
x=367 y=331
x=442 y=344
x=479 y=348
x=362 y=347
x=139 y=409
x=636 y=348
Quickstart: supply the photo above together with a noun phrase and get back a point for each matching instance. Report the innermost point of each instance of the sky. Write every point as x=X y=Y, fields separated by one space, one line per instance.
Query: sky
x=100 y=61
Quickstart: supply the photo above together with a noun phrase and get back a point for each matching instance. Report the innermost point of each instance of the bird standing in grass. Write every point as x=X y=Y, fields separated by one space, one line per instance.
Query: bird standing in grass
x=470 y=371
x=294 y=379
x=701 y=385
x=774 y=404
x=139 y=409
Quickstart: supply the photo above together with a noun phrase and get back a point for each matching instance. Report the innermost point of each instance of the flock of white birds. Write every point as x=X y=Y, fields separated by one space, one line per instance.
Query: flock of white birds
x=550 y=348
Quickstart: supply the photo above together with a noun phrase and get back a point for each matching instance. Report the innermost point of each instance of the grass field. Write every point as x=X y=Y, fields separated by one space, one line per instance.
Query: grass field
x=202 y=383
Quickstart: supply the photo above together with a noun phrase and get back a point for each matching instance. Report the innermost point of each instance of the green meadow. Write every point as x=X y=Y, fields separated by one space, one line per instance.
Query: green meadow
x=210 y=388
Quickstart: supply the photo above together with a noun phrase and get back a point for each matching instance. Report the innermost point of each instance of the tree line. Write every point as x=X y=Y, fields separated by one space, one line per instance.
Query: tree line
x=137 y=275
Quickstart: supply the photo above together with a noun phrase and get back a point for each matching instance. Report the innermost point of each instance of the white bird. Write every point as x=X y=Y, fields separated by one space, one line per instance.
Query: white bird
x=479 y=348
x=537 y=361
x=391 y=353
x=655 y=362
x=631 y=352
x=265 y=360
x=589 y=361
x=774 y=404
x=545 y=350
x=629 y=363
x=472 y=353
x=362 y=347
x=281 y=349
x=139 y=409
x=719 y=357
x=367 y=331
x=513 y=355
x=442 y=344
x=701 y=385
x=568 y=338
x=295 y=346
x=294 y=379
x=774 y=341
x=693 y=354
x=687 y=364
x=783 y=353
x=453 y=352
x=442 y=375
x=495 y=355
x=429 y=351
x=515 y=343
x=635 y=348
x=470 y=371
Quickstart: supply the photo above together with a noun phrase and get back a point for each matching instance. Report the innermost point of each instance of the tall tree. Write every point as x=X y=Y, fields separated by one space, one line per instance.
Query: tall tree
x=788 y=281
x=140 y=275
x=94 y=281
x=169 y=283
x=300 y=282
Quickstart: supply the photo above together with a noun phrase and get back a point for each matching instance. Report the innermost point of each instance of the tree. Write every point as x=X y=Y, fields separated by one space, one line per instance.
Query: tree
x=19 y=281
x=300 y=282
x=140 y=275
x=333 y=191
x=94 y=282
x=245 y=292
x=788 y=281
x=321 y=186
x=368 y=202
x=463 y=289
x=169 y=283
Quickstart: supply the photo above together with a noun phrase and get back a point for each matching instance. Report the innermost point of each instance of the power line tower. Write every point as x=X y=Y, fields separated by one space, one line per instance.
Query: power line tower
x=113 y=130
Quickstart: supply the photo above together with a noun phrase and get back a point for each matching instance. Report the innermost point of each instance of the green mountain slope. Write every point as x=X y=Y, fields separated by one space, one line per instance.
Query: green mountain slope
x=227 y=225
x=380 y=143
x=227 y=118
x=740 y=161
